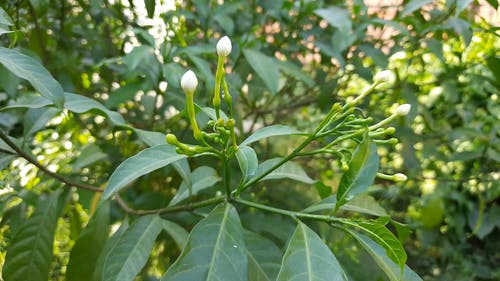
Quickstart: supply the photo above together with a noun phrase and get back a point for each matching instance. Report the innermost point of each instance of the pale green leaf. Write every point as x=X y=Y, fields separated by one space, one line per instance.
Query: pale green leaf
x=362 y=203
x=264 y=257
x=215 y=249
x=36 y=118
x=29 y=101
x=247 y=159
x=391 y=269
x=290 y=170
x=4 y=18
x=414 y=5
x=201 y=178
x=90 y=154
x=265 y=67
x=150 y=138
x=86 y=251
x=179 y=234
x=80 y=104
x=308 y=258
x=362 y=171
x=132 y=251
x=336 y=17
x=377 y=231
x=140 y=164
x=28 y=68
x=29 y=254
x=271 y=131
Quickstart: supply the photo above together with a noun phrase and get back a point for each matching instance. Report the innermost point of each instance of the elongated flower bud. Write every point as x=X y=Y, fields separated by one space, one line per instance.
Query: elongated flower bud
x=189 y=82
x=224 y=47
x=400 y=177
x=403 y=109
x=385 y=76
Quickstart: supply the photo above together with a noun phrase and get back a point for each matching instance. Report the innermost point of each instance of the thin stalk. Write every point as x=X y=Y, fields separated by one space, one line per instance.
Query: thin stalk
x=289 y=213
x=173 y=209
x=227 y=177
x=218 y=78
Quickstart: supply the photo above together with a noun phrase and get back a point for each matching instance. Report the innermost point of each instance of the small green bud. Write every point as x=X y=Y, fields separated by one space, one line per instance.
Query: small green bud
x=390 y=130
x=171 y=139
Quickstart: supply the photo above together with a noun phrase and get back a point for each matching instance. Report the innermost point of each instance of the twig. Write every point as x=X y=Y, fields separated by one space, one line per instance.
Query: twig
x=33 y=161
x=173 y=209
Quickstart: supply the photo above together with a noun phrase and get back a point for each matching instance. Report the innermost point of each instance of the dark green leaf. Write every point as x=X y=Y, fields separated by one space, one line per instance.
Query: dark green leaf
x=391 y=269
x=308 y=258
x=86 y=251
x=29 y=254
x=377 y=231
x=295 y=71
x=132 y=250
x=29 y=101
x=414 y=5
x=463 y=28
x=140 y=164
x=150 y=7
x=247 y=159
x=89 y=155
x=362 y=203
x=215 y=249
x=290 y=170
x=264 y=258
x=200 y=179
x=108 y=249
x=265 y=67
x=30 y=69
x=493 y=64
x=271 y=131
x=362 y=171
x=150 y=138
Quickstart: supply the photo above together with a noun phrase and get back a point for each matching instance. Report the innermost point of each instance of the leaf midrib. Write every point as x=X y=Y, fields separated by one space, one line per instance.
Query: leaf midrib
x=308 y=256
x=217 y=242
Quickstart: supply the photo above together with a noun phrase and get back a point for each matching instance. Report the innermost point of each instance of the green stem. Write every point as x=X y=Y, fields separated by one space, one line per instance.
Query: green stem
x=227 y=177
x=289 y=213
x=173 y=209
x=218 y=79
x=191 y=114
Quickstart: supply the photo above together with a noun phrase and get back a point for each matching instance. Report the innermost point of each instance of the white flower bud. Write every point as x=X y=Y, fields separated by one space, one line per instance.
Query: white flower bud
x=189 y=82
x=385 y=76
x=400 y=177
x=403 y=109
x=224 y=47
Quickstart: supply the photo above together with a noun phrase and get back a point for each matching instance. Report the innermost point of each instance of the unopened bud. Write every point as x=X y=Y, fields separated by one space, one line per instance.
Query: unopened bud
x=403 y=109
x=224 y=47
x=390 y=130
x=171 y=139
x=189 y=82
x=385 y=76
x=400 y=177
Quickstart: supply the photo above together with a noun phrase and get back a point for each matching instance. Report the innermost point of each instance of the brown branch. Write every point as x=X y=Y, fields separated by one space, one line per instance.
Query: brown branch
x=173 y=209
x=44 y=169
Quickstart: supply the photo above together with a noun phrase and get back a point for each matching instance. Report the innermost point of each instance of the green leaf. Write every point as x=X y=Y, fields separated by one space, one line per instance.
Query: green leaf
x=29 y=101
x=86 y=251
x=493 y=64
x=271 y=131
x=29 y=254
x=132 y=250
x=150 y=138
x=215 y=249
x=295 y=71
x=414 y=5
x=201 y=178
x=144 y=162
x=463 y=28
x=36 y=118
x=362 y=203
x=308 y=258
x=362 y=171
x=264 y=257
x=336 y=17
x=4 y=18
x=290 y=170
x=265 y=67
x=391 y=269
x=377 y=231
x=247 y=159
x=108 y=248
x=90 y=154
x=28 y=68
x=179 y=234
x=80 y=104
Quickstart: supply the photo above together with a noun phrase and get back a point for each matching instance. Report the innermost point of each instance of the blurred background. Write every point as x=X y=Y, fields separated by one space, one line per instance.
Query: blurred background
x=130 y=55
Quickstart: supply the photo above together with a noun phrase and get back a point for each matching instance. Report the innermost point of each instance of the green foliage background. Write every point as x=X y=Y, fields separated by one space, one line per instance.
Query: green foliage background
x=291 y=61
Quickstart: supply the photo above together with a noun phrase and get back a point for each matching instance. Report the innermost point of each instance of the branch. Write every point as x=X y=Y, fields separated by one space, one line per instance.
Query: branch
x=173 y=209
x=44 y=169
